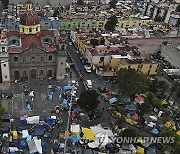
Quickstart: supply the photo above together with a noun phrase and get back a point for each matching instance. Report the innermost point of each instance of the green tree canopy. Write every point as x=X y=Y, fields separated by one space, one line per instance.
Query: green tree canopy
x=80 y=2
x=129 y=133
x=111 y=23
x=112 y=4
x=131 y=82
x=178 y=8
x=88 y=100
x=94 y=42
x=1 y=112
x=5 y=3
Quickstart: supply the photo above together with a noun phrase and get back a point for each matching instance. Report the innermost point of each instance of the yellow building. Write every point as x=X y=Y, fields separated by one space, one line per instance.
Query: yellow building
x=132 y=22
x=32 y=24
x=146 y=67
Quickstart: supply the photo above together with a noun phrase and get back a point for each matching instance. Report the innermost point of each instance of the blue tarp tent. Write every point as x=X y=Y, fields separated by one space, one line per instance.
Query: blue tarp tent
x=28 y=107
x=39 y=131
x=67 y=87
x=151 y=151
x=75 y=139
x=22 y=144
x=155 y=131
x=112 y=100
x=60 y=88
x=131 y=107
x=50 y=97
x=50 y=121
x=64 y=102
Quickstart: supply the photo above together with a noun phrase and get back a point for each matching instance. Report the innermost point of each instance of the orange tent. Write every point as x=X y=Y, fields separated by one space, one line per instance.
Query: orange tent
x=135 y=117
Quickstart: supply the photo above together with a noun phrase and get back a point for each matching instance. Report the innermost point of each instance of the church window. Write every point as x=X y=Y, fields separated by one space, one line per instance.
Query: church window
x=3 y=49
x=4 y=65
x=41 y=72
x=50 y=58
x=15 y=58
x=30 y=30
x=36 y=29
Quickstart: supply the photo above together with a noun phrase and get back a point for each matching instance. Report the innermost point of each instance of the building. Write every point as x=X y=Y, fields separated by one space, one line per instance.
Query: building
x=175 y=19
x=31 y=52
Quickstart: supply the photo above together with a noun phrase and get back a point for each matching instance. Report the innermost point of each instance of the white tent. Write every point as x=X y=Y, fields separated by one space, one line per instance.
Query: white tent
x=97 y=130
x=33 y=120
x=75 y=128
x=35 y=146
x=25 y=133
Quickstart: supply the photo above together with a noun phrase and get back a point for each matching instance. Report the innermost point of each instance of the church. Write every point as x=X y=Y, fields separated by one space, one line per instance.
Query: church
x=31 y=53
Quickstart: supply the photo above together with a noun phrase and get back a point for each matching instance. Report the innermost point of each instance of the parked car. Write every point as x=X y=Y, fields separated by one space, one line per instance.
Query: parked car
x=87 y=68
x=89 y=84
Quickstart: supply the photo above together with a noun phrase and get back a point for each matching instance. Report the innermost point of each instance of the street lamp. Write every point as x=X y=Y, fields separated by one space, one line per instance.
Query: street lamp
x=67 y=128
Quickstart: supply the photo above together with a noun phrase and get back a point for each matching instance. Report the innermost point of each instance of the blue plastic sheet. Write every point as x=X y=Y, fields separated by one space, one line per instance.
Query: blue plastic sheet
x=112 y=100
x=64 y=102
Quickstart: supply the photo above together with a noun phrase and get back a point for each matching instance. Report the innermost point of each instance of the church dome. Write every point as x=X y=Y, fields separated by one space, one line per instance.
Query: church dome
x=29 y=18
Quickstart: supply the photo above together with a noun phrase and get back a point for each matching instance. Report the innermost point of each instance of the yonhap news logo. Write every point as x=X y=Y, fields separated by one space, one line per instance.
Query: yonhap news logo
x=103 y=138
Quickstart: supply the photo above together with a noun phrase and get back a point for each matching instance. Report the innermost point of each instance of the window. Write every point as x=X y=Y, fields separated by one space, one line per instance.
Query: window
x=41 y=58
x=101 y=60
x=5 y=76
x=41 y=72
x=46 y=23
x=24 y=59
x=61 y=63
x=4 y=65
x=36 y=29
x=23 y=29
x=3 y=49
x=15 y=58
x=50 y=58
x=30 y=30
x=33 y=59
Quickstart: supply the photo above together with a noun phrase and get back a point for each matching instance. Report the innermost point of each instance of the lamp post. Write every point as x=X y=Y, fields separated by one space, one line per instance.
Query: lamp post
x=67 y=128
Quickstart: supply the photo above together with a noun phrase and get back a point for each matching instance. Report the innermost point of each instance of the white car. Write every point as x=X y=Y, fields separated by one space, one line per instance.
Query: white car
x=87 y=68
x=89 y=84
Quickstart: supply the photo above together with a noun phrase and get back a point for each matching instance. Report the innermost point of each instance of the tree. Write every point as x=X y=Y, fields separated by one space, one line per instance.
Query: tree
x=102 y=41
x=5 y=3
x=112 y=4
x=174 y=88
x=88 y=100
x=80 y=2
x=111 y=23
x=178 y=8
x=131 y=82
x=129 y=133
x=94 y=42
x=1 y=112
x=144 y=108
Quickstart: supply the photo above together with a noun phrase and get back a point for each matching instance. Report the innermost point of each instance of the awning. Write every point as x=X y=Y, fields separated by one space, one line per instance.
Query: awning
x=112 y=100
x=88 y=134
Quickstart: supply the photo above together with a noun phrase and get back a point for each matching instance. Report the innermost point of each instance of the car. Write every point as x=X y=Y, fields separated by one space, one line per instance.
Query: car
x=87 y=68
x=89 y=84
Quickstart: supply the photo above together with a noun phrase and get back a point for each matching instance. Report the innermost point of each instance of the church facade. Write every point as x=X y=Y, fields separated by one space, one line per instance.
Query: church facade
x=31 y=52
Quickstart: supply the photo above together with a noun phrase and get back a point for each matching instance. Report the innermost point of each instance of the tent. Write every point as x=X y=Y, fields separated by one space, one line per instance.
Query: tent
x=67 y=87
x=88 y=134
x=140 y=150
x=25 y=133
x=135 y=117
x=32 y=120
x=39 y=130
x=75 y=139
x=112 y=100
x=96 y=130
x=151 y=150
x=153 y=118
x=35 y=146
x=64 y=102
x=22 y=144
x=75 y=128
x=155 y=131
x=131 y=107
x=50 y=97
x=23 y=119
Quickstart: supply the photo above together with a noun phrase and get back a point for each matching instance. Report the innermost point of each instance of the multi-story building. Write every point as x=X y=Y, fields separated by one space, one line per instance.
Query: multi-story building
x=31 y=52
x=175 y=19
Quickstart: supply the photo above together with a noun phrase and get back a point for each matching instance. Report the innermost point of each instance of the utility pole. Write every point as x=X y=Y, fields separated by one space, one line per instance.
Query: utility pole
x=67 y=129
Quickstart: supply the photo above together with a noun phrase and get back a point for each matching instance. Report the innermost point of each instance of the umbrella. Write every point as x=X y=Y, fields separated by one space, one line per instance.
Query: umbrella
x=131 y=107
x=151 y=151
x=67 y=87
x=112 y=100
x=155 y=131
x=64 y=102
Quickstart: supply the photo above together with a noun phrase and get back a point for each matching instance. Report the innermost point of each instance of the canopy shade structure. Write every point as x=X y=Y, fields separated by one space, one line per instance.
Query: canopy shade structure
x=112 y=100
x=88 y=134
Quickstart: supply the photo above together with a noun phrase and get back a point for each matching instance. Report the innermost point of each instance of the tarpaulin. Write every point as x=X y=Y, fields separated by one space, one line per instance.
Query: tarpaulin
x=33 y=120
x=75 y=128
x=88 y=134
x=112 y=100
